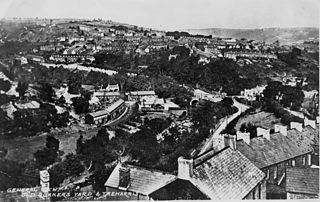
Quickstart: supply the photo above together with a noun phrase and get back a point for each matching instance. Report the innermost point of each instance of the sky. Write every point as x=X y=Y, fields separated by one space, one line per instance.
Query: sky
x=174 y=14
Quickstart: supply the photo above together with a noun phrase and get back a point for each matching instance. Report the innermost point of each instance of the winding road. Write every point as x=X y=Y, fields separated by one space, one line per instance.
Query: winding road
x=222 y=125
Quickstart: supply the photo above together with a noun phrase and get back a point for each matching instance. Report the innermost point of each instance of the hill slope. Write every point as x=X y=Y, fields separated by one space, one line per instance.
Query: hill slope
x=269 y=35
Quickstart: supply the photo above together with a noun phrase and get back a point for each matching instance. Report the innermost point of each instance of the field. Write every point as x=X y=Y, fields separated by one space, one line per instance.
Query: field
x=22 y=148
x=262 y=119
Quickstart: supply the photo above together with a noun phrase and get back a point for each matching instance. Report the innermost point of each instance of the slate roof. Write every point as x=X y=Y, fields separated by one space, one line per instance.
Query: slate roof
x=302 y=180
x=308 y=137
x=142 y=181
x=142 y=93
x=108 y=110
x=264 y=153
x=227 y=175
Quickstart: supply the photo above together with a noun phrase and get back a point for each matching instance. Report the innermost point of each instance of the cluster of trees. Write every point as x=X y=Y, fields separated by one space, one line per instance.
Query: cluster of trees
x=218 y=75
x=177 y=35
x=277 y=109
x=49 y=154
x=249 y=128
x=206 y=113
x=5 y=85
x=28 y=122
x=287 y=96
x=101 y=150
x=71 y=166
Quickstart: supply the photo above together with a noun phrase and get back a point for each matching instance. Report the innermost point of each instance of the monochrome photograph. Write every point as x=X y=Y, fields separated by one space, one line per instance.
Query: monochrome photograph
x=142 y=100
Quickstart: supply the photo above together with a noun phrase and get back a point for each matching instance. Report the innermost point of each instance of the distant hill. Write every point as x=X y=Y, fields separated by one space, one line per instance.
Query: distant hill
x=269 y=35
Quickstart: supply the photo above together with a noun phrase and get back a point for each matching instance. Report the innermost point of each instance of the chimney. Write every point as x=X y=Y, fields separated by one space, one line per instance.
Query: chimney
x=185 y=168
x=263 y=132
x=218 y=143
x=311 y=123
x=296 y=125
x=230 y=141
x=124 y=178
x=243 y=136
x=281 y=129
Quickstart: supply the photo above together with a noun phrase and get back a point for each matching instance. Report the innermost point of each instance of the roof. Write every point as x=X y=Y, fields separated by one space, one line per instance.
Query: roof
x=106 y=94
x=264 y=153
x=28 y=105
x=142 y=93
x=309 y=137
x=227 y=175
x=108 y=110
x=302 y=180
x=142 y=181
x=152 y=100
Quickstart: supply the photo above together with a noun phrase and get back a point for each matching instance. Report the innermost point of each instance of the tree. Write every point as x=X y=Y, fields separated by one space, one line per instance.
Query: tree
x=52 y=143
x=227 y=101
x=49 y=154
x=45 y=157
x=5 y=85
x=4 y=99
x=22 y=88
x=46 y=92
x=80 y=104
x=61 y=101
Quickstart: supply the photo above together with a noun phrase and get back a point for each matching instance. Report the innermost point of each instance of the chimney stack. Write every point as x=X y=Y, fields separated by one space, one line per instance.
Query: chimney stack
x=124 y=178
x=281 y=129
x=308 y=122
x=296 y=125
x=218 y=143
x=263 y=132
x=230 y=141
x=243 y=136
x=185 y=168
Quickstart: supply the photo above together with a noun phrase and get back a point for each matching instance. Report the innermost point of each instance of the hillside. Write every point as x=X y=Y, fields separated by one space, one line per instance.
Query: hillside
x=269 y=35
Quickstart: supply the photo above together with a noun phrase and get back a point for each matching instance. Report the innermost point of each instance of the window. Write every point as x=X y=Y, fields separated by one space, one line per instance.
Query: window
x=254 y=193
x=309 y=159
x=293 y=162
x=303 y=161
x=259 y=189
x=268 y=173
x=275 y=170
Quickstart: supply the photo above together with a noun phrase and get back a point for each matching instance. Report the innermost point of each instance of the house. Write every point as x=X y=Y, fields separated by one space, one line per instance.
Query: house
x=251 y=94
x=272 y=153
x=113 y=88
x=71 y=58
x=35 y=58
x=137 y=95
x=106 y=95
x=302 y=183
x=307 y=137
x=111 y=112
x=22 y=60
x=49 y=47
x=155 y=104
x=224 y=175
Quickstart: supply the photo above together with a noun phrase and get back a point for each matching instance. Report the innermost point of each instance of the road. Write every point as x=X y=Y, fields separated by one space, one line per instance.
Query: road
x=223 y=124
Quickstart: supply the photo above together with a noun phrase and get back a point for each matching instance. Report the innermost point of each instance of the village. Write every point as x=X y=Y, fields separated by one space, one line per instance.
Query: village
x=94 y=107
